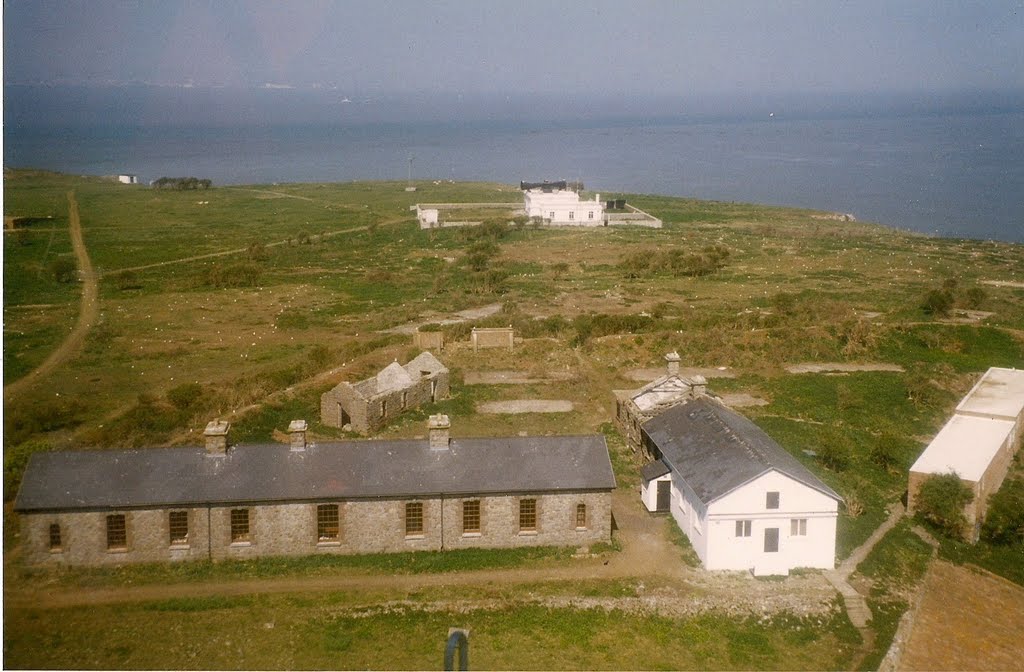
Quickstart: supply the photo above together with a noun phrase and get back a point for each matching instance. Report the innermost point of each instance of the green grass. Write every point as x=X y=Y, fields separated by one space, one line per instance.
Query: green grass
x=299 y=632
x=421 y=562
x=1006 y=561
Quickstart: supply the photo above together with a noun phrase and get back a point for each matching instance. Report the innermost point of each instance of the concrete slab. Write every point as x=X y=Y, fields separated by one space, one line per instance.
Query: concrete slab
x=526 y=406
x=829 y=367
x=512 y=377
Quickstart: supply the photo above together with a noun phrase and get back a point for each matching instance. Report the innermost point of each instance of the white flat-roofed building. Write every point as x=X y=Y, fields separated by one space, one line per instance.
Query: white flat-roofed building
x=563 y=207
x=977 y=444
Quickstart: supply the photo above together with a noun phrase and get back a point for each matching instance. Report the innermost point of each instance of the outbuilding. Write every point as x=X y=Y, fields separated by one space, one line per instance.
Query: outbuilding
x=977 y=444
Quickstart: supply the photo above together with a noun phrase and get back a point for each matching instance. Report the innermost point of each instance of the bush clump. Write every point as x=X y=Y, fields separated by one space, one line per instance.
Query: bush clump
x=678 y=263
x=237 y=274
x=63 y=269
x=941 y=501
x=1004 y=521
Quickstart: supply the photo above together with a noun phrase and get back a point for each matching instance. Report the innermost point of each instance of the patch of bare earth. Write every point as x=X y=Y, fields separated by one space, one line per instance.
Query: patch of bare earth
x=526 y=406
x=431 y=318
x=1003 y=283
x=512 y=377
x=967 y=621
x=739 y=399
x=832 y=367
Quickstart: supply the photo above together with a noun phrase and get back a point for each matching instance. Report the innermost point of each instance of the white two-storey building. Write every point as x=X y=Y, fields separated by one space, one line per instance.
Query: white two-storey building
x=742 y=500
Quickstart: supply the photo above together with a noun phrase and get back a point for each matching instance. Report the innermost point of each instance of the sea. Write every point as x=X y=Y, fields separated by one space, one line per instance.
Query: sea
x=951 y=173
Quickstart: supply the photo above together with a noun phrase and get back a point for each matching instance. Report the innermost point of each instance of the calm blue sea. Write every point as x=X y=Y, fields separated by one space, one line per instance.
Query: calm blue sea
x=956 y=175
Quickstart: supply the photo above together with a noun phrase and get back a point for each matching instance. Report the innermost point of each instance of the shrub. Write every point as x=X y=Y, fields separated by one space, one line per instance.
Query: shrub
x=835 y=453
x=63 y=269
x=886 y=453
x=941 y=501
x=125 y=280
x=238 y=274
x=1004 y=522
x=937 y=302
x=257 y=252
x=975 y=298
x=185 y=397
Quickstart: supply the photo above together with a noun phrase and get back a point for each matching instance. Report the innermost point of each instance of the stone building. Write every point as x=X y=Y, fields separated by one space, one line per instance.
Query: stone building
x=634 y=408
x=977 y=444
x=370 y=404
x=224 y=501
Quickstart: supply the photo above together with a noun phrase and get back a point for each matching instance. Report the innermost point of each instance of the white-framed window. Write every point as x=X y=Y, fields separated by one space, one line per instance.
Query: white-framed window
x=551 y=215
x=798 y=527
x=581 y=516
x=743 y=528
x=590 y=215
x=572 y=214
x=771 y=500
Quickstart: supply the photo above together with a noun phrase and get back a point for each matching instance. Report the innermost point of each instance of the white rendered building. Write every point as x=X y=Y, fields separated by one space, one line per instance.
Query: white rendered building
x=742 y=500
x=554 y=203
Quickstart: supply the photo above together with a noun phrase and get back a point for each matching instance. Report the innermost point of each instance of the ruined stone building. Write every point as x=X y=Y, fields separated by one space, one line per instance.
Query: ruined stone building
x=634 y=408
x=370 y=404
x=977 y=444
x=224 y=501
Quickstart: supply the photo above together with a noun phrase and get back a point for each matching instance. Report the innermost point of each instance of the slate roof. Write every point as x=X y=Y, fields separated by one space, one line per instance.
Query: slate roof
x=160 y=477
x=716 y=450
x=653 y=470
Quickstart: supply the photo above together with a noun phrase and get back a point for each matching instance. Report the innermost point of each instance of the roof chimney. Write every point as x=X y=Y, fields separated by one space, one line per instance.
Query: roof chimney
x=437 y=430
x=297 y=434
x=217 y=437
x=698 y=386
x=673 y=363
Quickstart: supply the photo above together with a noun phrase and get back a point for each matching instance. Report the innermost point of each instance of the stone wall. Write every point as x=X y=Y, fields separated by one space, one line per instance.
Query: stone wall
x=366 y=526
x=429 y=340
x=497 y=337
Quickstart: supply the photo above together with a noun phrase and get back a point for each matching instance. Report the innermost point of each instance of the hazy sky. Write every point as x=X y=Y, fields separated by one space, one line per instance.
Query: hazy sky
x=523 y=46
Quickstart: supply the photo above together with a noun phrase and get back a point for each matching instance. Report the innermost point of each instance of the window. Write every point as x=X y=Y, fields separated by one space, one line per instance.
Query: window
x=551 y=215
x=527 y=515
x=572 y=214
x=327 y=526
x=590 y=215
x=55 y=544
x=240 y=526
x=177 y=523
x=581 y=516
x=117 y=533
x=742 y=528
x=405 y=399
x=414 y=519
x=772 y=501
x=798 y=527
x=471 y=517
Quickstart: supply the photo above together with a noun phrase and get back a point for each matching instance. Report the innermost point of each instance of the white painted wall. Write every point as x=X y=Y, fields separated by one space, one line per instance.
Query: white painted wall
x=649 y=492
x=712 y=531
x=563 y=208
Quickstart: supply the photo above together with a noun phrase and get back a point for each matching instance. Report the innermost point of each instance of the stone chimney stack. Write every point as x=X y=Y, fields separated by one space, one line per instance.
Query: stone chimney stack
x=297 y=434
x=217 y=437
x=698 y=386
x=438 y=431
x=673 y=363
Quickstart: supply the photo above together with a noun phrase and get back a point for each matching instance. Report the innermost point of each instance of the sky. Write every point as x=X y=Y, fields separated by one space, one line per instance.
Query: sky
x=571 y=48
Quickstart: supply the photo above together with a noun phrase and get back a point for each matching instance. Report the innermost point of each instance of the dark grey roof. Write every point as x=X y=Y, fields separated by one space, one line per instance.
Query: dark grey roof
x=716 y=450
x=349 y=469
x=653 y=470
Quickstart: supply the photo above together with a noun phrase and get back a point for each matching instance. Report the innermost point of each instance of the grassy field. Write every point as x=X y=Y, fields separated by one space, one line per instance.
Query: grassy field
x=330 y=632
x=307 y=279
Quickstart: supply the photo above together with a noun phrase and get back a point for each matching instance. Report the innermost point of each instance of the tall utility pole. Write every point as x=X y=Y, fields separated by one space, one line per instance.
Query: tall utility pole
x=409 y=187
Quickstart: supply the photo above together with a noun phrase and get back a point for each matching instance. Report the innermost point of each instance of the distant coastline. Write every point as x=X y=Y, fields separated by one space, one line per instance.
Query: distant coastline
x=939 y=169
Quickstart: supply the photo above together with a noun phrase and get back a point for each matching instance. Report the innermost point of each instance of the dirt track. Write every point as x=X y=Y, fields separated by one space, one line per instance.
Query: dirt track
x=88 y=312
